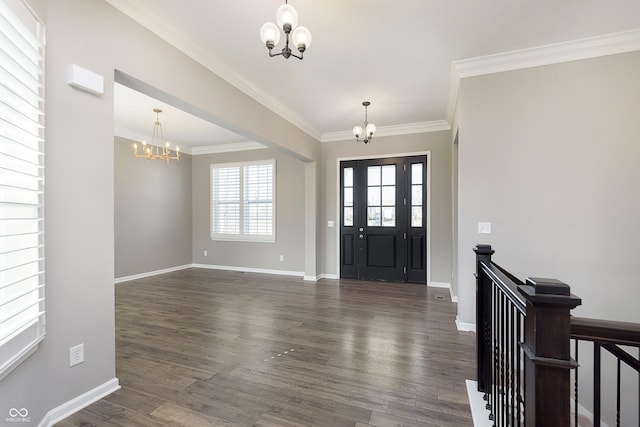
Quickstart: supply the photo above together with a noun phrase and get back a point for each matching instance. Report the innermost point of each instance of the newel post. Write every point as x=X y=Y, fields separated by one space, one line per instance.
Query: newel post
x=483 y=318
x=547 y=351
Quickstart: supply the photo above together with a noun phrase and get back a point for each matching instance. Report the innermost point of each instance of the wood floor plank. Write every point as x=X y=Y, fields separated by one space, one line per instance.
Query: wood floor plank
x=204 y=347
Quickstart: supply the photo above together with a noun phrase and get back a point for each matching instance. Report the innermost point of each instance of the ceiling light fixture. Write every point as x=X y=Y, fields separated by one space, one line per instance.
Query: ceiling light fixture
x=287 y=19
x=158 y=149
x=369 y=128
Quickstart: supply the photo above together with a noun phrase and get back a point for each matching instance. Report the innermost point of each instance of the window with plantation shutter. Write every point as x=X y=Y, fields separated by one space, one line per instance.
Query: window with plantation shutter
x=21 y=184
x=243 y=201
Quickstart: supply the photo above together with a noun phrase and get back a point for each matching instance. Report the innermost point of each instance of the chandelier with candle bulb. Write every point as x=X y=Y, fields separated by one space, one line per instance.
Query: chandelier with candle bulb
x=158 y=149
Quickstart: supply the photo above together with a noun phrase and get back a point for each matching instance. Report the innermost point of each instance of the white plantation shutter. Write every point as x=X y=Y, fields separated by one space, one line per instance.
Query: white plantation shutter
x=258 y=199
x=21 y=184
x=243 y=201
x=226 y=197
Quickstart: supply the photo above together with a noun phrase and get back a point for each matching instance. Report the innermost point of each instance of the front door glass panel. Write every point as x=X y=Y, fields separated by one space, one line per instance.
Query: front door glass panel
x=381 y=196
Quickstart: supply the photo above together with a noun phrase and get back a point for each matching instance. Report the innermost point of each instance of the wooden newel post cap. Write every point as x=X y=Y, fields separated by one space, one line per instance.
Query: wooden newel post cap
x=548 y=291
x=548 y=286
x=483 y=250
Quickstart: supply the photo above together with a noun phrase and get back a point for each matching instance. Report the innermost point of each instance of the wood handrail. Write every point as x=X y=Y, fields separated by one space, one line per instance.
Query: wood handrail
x=506 y=282
x=605 y=331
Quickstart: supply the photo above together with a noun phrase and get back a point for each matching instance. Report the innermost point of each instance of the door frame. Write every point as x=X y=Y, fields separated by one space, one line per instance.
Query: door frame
x=427 y=188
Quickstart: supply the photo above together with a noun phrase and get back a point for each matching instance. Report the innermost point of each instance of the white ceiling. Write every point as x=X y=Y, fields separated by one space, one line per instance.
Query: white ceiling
x=396 y=54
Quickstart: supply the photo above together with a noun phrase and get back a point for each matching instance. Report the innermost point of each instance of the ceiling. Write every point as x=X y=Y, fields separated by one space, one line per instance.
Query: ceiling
x=396 y=54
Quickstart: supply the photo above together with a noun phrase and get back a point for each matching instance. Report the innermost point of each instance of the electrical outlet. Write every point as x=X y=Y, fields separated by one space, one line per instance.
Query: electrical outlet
x=281 y=258
x=76 y=355
x=205 y=253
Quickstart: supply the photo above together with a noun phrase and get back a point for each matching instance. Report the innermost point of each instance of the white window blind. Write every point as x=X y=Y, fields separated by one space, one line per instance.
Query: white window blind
x=21 y=184
x=243 y=201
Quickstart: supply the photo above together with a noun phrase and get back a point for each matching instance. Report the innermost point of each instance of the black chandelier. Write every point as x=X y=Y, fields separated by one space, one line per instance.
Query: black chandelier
x=287 y=19
x=369 y=128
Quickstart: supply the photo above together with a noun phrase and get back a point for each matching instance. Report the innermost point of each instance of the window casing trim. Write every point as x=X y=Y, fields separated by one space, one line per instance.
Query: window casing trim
x=241 y=236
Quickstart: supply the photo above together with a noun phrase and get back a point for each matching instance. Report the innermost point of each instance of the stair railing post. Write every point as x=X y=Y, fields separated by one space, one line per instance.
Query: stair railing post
x=483 y=318
x=547 y=352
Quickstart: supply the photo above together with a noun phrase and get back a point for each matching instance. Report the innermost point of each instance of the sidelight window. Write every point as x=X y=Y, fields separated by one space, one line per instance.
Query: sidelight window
x=417 y=185
x=347 y=189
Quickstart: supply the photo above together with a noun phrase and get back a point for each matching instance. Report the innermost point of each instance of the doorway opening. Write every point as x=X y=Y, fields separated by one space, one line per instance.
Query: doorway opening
x=383 y=219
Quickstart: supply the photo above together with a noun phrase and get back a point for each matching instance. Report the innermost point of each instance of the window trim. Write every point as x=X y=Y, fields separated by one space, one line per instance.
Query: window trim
x=241 y=236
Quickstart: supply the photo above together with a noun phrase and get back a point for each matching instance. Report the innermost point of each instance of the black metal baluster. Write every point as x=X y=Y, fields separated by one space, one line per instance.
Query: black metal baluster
x=503 y=358
x=502 y=367
x=519 y=366
x=500 y=409
x=512 y=363
x=494 y=342
x=575 y=386
x=596 y=384
x=618 y=395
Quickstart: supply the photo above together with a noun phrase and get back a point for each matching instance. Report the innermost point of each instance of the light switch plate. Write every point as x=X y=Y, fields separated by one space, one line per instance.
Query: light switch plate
x=484 y=228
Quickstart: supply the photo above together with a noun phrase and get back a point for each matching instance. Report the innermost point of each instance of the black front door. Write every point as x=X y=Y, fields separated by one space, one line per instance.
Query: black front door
x=383 y=221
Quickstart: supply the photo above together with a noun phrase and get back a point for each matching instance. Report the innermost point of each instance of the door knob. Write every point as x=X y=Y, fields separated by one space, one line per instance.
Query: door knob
x=361 y=236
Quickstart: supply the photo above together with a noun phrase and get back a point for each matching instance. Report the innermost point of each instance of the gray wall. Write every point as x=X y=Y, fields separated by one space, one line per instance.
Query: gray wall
x=550 y=156
x=290 y=216
x=152 y=212
x=440 y=146
x=80 y=184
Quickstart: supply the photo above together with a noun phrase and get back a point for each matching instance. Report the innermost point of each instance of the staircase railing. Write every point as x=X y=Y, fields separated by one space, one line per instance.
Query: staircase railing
x=524 y=332
x=618 y=339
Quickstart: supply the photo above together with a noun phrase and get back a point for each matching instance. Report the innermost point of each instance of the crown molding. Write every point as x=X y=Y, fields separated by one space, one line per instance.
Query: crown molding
x=591 y=47
x=405 y=129
x=227 y=148
x=574 y=50
x=144 y=13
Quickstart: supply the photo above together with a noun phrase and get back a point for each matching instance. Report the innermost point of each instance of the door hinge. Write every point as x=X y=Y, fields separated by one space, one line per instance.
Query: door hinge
x=405 y=236
x=405 y=201
x=405 y=167
x=405 y=270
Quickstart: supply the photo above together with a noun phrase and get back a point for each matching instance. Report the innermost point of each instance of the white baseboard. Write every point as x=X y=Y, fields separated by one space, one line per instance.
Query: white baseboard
x=152 y=273
x=329 y=276
x=478 y=406
x=311 y=278
x=465 y=327
x=439 y=285
x=74 y=405
x=250 y=270
x=444 y=286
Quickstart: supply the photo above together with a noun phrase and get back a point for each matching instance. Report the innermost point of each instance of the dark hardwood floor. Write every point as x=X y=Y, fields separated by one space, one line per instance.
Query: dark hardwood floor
x=214 y=348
